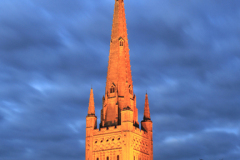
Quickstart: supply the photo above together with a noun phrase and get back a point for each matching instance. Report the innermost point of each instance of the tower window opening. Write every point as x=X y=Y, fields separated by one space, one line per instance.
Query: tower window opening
x=107 y=158
x=117 y=157
x=112 y=90
x=121 y=43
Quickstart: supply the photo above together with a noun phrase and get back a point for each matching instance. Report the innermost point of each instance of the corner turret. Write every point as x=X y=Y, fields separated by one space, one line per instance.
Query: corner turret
x=146 y=116
x=91 y=118
x=91 y=107
x=146 y=125
x=91 y=124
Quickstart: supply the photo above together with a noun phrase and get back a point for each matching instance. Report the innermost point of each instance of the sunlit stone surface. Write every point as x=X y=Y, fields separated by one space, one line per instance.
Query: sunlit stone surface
x=119 y=136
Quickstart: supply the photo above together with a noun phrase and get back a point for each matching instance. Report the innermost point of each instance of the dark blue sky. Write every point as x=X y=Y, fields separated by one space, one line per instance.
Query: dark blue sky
x=186 y=54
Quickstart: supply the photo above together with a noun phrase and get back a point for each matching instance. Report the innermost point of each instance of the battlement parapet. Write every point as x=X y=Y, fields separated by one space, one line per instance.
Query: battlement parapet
x=107 y=130
x=140 y=132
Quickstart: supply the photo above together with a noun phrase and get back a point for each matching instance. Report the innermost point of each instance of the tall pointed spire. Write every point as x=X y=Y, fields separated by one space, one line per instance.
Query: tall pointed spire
x=91 y=107
x=119 y=87
x=119 y=63
x=146 y=109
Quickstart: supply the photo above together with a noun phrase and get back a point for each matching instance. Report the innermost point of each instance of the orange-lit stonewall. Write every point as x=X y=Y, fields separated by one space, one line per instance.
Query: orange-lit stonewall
x=118 y=136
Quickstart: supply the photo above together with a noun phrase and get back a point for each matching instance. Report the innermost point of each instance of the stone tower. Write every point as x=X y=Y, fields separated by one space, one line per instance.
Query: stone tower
x=118 y=136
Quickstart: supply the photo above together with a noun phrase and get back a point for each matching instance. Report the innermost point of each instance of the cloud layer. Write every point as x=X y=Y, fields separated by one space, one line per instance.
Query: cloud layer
x=186 y=54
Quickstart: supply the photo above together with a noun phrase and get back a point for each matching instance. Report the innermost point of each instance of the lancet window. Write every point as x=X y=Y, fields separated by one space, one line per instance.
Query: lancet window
x=112 y=90
x=121 y=41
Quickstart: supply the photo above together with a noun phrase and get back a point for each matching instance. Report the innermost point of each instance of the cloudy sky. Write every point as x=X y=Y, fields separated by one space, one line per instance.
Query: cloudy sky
x=186 y=54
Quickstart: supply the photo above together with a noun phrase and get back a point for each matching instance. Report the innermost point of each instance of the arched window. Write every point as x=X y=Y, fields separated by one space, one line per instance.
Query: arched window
x=121 y=43
x=107 y=158
x=97 y=158
x=112 y=90
x=117 y=157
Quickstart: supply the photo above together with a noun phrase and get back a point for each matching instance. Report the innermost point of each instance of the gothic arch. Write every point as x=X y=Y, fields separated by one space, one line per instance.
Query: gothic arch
x=121 y=41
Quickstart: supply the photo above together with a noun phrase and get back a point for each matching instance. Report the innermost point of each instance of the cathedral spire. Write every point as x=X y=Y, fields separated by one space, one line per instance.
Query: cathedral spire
x=146 y=109
x=119 y=114
x=91 y=107
x=119 y=63
x=119 y=87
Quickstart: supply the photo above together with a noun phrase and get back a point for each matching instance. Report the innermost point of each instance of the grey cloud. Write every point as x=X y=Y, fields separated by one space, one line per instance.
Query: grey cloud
x=185 y=54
